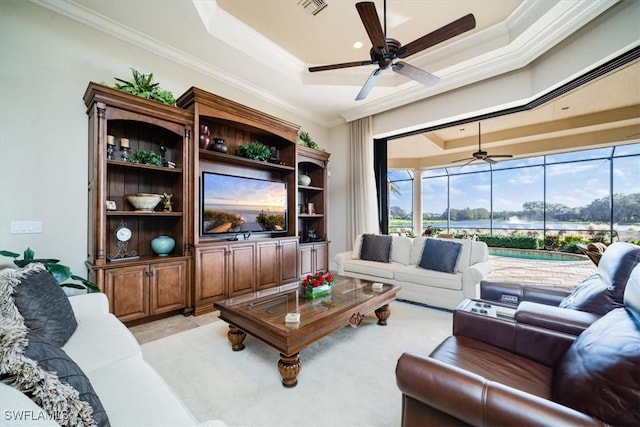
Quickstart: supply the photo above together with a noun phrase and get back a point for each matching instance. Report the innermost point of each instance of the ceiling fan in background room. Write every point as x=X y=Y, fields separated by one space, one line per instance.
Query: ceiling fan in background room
x=386 y=52
x=482 y=155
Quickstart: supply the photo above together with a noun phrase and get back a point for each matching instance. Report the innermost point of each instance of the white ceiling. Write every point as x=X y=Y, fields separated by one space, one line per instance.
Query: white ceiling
x=264 y=47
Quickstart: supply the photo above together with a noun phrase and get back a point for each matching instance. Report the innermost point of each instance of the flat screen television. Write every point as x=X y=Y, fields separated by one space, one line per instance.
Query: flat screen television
x=234 y=204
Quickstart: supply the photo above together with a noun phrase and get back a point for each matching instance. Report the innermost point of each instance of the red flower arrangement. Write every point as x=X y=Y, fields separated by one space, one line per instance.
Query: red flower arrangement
x=318 y=279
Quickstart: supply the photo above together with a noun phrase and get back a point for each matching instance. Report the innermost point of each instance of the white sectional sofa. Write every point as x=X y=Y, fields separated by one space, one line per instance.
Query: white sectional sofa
x=434 y=288
x=131 y=391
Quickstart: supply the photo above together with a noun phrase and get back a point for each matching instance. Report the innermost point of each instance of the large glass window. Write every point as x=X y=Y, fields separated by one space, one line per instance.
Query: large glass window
x=591 y=193
x=400 y=201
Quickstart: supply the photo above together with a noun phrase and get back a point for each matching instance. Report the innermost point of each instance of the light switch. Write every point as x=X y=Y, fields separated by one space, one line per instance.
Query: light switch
x=26 y=227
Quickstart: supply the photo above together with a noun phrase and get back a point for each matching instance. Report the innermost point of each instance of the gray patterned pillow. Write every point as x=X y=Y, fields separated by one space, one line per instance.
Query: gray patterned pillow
x=45 y=307
x=55 y=360
x=376 y=247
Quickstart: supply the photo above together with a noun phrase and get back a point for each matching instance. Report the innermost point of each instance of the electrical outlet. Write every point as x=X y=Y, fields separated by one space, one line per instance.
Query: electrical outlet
x=26 y=227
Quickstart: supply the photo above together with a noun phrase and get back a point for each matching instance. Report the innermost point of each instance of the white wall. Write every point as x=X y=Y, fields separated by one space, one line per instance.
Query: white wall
x=46 y=62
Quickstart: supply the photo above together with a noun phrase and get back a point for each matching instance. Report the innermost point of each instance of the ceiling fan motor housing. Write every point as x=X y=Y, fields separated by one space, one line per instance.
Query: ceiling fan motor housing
x=383 y=58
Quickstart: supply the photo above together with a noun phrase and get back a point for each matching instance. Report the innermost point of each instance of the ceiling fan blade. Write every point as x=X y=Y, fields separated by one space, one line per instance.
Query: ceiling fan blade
x=488 y=159
x=506 y=156
x=415 y=73
x=464 y=160
x=369 y=84
x=341 y=65
x=457 y=27
x=371 y=22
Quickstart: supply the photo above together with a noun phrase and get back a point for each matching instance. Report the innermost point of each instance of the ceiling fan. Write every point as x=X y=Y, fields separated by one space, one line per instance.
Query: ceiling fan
x=482 y=155
x=386 y=51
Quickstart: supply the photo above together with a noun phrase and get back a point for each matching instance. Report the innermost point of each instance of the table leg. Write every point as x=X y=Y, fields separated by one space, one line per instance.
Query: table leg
x=289 y=367
x=236 y=337
x=383 y=314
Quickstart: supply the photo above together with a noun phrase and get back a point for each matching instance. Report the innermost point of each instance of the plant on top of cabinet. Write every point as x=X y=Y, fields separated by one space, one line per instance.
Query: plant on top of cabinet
x=255 y=150
x=142 y=86
x=305 y=140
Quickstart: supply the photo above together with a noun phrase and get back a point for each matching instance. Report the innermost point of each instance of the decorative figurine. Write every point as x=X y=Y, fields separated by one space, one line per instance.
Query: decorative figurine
x=163 y=154
x=168 y=207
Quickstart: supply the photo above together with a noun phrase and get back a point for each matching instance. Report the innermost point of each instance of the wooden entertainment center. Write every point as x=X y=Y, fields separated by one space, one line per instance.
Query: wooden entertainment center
x=202 y=268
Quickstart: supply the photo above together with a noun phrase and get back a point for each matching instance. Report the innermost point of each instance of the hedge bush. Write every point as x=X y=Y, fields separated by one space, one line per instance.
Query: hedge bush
x=515 y=241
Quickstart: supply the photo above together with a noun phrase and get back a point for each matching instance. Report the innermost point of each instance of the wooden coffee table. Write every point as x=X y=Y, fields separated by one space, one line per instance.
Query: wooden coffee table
x=262 y=315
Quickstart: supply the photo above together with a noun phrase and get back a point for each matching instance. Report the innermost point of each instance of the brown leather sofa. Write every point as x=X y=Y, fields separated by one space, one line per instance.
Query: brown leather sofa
x=496 y=372
x=593 y=295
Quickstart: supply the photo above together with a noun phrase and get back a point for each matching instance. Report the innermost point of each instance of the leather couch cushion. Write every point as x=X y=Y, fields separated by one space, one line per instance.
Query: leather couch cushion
x=600 y=373
x=45 y=307
x=376 y=248
x=592 y=296
x=496 y=364
x=55 y=360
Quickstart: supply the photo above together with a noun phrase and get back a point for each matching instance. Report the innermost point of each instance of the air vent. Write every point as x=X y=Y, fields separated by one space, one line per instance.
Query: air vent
x=312 y=6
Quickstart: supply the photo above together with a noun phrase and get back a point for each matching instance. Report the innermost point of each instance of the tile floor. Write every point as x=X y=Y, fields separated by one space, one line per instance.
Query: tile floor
x=564 y=274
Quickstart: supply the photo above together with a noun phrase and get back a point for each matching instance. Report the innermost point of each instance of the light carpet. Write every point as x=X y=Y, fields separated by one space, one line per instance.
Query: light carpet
x=346 y=379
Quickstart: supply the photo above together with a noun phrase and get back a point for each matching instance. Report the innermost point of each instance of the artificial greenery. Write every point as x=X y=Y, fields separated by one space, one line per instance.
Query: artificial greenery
x=254 y=150
x=305 y=139
x=142 y=85
x=60 y=272
x=145 y=157
x=515 y=241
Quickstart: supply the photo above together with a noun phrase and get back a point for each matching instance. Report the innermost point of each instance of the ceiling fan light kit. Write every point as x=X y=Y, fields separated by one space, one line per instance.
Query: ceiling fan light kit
x=482 y=155
x=387 y=52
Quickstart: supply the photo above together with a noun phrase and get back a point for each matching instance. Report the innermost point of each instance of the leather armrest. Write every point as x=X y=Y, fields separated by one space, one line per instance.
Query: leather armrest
x=475 y=400
x=559 y=319
x=541 y=344
x=512 y=294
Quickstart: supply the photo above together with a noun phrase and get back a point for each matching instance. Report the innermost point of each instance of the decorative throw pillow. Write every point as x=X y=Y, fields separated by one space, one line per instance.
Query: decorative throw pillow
x=376 y=247
x=600 y=373
x=592 y=296
x=45 y=307
x=440 y=255
x=53 y=359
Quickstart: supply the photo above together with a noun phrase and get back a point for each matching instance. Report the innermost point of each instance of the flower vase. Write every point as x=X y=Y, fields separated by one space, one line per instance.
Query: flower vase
x=204 y=137
x=318 y=291
x=163 y=245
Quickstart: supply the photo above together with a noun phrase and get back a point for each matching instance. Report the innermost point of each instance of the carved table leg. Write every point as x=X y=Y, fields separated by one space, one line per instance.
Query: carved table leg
x=236 y=337
x=289 y=367
x=383 y=314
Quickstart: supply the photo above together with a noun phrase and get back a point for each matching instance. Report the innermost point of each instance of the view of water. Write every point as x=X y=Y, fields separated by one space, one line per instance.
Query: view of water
x=517 y=224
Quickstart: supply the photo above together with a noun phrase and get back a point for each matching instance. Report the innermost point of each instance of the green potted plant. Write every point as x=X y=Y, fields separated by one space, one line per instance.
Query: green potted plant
x=255 y=151
x=305 y=140
x=60 y=272
x=142 y=85
x=145 y=157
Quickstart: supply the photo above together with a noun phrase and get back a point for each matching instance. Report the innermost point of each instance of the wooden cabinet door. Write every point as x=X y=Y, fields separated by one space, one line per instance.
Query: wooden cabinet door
x=267 y=264
x=288 y=261
x=128 y=291
x=167 y=285
x=241 y=268
x=306 y=260
x=321 y=256
x=211 y=275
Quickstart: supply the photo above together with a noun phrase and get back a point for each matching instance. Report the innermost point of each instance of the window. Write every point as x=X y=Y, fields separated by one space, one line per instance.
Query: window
x=593 y=193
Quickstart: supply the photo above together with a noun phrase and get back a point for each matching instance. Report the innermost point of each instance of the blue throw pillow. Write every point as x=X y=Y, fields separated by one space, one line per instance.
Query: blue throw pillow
x=440 y=255
x=376 y=248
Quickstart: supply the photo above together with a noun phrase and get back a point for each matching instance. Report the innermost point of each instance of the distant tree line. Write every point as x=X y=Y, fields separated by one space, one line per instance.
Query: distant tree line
x=626 y=211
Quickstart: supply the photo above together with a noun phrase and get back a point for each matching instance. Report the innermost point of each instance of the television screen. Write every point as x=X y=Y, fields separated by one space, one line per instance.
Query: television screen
x=234 y=204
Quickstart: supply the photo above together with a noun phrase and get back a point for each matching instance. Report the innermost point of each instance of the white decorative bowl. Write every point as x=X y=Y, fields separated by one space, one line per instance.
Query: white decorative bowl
x=144 y=201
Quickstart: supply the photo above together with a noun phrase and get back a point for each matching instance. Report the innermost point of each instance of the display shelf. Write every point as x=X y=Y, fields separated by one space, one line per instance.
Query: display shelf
x=143 y=167
x=144 y=213
x=242 y=161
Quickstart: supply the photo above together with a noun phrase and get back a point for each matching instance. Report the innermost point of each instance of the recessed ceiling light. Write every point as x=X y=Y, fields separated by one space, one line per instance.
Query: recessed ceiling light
x=357 y=45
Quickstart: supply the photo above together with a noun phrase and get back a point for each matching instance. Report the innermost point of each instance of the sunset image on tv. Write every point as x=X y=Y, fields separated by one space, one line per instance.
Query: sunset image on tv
x=233 y=204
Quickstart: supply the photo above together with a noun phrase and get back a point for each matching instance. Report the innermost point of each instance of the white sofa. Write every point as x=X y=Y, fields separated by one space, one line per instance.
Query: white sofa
x=429 y=287
x=131 y=391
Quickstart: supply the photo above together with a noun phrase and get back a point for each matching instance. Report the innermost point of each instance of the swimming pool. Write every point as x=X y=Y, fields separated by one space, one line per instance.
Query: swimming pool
x=536 y=254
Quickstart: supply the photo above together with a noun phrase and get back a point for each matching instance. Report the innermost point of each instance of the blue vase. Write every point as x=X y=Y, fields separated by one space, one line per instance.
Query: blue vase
x=163 y=245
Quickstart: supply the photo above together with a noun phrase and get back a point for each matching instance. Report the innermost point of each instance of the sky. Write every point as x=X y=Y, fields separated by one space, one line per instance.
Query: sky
x=569 y=184
x=242 y=193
